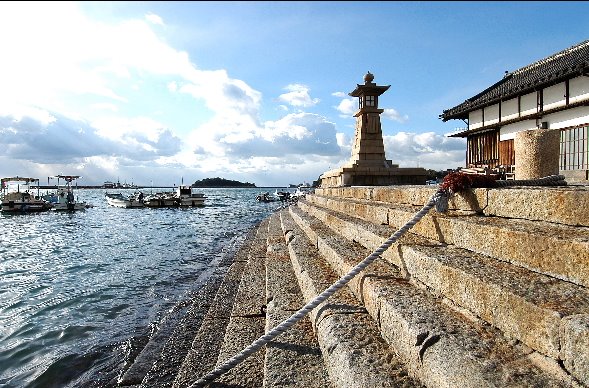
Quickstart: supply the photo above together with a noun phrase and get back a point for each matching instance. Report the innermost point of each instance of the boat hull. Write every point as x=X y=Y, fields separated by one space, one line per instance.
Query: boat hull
x=24 y=207
x=118 y=200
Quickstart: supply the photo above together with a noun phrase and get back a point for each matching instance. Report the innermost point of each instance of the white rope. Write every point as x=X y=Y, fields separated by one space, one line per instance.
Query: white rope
x=282 y=327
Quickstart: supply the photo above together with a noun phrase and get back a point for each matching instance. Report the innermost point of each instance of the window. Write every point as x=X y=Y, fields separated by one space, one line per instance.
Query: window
x=370 y=100
x=574 y=148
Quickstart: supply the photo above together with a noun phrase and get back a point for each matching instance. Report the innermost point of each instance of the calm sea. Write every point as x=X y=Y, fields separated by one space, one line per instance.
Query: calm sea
x=79 y=291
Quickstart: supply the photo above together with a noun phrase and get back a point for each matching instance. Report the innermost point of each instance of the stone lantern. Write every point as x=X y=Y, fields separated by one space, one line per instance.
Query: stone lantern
x=368 y=165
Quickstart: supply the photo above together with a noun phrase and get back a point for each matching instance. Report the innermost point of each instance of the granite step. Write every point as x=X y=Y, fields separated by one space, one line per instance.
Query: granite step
x=164 y=352
x=540 y=311
x=247 y=321
x=209 y=340
x=353 y=351
x=293 y=359
x=568 y=205
x=551 y=249
x=438 y=344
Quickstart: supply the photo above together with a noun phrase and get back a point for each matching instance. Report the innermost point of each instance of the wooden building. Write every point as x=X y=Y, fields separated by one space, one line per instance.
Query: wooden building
x=552 y=93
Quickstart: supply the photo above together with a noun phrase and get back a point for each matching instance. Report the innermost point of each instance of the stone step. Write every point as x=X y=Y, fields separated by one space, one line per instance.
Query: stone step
x=247 y=320
x=206 y=345
x=293 y=359
x=353 y=351
x=439 y=345
x=162 y=356
x=567 y=205
x=551 y=249
x=538 y=310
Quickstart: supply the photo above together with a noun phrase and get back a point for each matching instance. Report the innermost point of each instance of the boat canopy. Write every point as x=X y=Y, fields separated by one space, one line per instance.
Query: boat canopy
x=18 y=179
x=68 y=178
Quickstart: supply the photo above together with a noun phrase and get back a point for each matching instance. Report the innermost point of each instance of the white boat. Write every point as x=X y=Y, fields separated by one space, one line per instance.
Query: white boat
x=282 y=195
x=265 y=197
x=186 y=197
x=165 y=199
x=124 y=201
x=300 y=192
x=63 y=199
x=21 y=199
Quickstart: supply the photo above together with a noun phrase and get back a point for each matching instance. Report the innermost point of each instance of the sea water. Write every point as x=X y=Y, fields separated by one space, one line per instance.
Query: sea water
x=80 y=292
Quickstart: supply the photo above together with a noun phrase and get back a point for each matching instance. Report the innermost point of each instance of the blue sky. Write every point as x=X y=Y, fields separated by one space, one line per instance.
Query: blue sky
x=164 y=92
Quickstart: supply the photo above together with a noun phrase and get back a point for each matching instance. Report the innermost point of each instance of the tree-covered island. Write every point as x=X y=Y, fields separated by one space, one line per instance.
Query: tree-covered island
x=220 y=182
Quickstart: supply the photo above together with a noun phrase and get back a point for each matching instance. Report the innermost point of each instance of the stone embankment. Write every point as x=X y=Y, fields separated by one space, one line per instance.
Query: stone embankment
x=493 y=293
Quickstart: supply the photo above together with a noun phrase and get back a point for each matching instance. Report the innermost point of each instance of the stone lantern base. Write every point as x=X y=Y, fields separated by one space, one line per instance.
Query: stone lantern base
x=373 y=176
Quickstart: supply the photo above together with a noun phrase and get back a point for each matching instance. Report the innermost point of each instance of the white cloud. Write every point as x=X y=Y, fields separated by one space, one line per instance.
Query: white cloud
x=154 y=19
x=298 y=96
x=428 y=150
x=392 y=114
x=347 y=107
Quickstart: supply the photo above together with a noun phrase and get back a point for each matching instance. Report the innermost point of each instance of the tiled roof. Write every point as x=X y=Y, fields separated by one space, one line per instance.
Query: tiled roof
x=556 y=68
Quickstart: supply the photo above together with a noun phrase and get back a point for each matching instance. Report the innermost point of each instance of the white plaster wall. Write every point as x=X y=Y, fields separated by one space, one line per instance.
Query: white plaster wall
x=578 y=89
x=554 y=96
x=475 y=119
x=509 y=110
x=528 y=104
x=568 y=118
x=508 y=132
x=491 y=114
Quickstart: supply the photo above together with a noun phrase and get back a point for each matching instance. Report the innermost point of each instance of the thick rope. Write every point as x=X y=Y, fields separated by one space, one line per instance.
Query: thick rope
x=282 y=327
x=552 y=180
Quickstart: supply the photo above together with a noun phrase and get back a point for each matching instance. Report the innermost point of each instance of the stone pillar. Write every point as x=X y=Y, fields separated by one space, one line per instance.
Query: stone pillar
x=536 y=153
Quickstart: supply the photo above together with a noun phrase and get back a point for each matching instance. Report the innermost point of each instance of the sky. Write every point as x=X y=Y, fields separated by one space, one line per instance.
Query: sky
x=164 y=93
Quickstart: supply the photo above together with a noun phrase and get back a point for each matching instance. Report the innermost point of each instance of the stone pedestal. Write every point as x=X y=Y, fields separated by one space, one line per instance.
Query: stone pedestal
x=537 y=153
x=373 y=176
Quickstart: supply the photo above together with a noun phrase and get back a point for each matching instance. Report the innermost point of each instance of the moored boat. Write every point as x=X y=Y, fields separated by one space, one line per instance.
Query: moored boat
x=165 y=199
x=63 y=199
x=265 y=197
x=21 y=200
x=186 y=197
x=124 y=201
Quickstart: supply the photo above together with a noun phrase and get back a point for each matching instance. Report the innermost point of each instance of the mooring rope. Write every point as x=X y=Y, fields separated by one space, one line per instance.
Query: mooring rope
x=439 y=199
x=552 y=180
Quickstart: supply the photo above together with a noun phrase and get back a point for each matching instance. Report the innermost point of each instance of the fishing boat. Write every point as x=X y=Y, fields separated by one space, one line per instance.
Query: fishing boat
x=186 y=197
x=124 y=201
x=265 y=197
x=282 y=195
x=21 y=199
x=63 y=198
x=165 y=199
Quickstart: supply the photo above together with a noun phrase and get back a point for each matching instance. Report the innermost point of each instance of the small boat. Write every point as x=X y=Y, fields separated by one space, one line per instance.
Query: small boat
x=124 y=201
x=282 y=195
x=21 y=200
x=166 y=199
x=300 y=192
x=186 y=197
x=265 y=197
x=63 y=199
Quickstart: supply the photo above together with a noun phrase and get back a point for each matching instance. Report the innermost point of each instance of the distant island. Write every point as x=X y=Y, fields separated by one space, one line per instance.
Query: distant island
x=220 y=182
